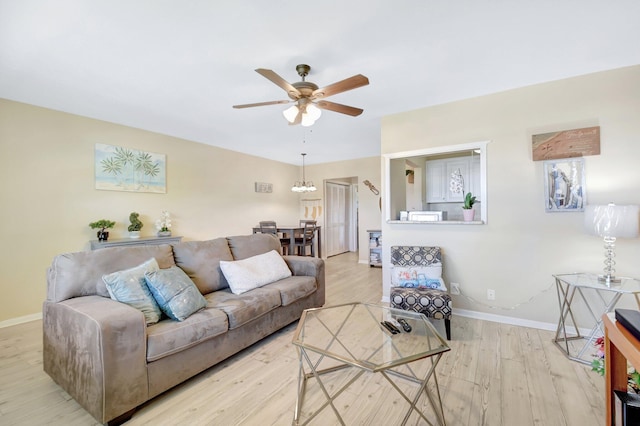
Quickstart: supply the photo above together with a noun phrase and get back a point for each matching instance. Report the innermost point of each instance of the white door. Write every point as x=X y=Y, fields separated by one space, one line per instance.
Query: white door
x=337 y=219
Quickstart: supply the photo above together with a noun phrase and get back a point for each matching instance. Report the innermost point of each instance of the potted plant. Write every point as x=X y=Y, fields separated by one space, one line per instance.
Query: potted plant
x=410 y=175
x=136 y=225
x=163 y=225
x=102 y=225
x=467 y=208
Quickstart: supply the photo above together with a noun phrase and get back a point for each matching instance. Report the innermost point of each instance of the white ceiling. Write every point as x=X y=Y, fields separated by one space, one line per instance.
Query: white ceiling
x=177 y=67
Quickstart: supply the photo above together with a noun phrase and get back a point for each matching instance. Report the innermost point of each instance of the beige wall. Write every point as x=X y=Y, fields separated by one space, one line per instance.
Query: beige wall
x=368 y=203
x=48 y=196
x=520 y=248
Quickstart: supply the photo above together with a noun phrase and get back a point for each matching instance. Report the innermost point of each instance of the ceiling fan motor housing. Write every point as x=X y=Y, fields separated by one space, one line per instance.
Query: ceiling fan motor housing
x=303 y=70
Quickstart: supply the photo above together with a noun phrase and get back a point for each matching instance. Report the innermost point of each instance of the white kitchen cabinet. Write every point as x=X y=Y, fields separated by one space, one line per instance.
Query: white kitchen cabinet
x=438 y=179
x=436 y=171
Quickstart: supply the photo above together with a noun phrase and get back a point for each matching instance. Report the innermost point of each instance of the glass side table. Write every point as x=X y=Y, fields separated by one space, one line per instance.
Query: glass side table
x=568 y=337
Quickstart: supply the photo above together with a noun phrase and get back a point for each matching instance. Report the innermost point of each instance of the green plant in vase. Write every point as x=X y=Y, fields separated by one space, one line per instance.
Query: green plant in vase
x=467 y=212
x=469 y=201
x=102 y=225
x=136 y=225
x=163 y=225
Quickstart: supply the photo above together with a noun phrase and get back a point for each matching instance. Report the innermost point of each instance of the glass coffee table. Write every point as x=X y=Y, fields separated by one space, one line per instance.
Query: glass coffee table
x=351 y=356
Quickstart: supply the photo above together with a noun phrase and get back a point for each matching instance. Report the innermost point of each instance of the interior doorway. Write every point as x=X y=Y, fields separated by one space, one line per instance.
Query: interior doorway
x=341 y=220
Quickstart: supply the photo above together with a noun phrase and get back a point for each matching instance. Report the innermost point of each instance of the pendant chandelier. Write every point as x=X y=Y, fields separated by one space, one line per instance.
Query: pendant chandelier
x=303 y=186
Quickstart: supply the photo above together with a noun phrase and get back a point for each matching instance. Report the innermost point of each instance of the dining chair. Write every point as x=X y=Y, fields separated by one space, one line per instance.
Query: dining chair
x=270 y=227
x=302 y=223
x=306 y=239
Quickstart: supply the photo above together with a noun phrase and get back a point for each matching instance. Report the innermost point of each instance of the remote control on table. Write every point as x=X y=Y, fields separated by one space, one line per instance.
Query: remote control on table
x=405 y=325
x=392 y=328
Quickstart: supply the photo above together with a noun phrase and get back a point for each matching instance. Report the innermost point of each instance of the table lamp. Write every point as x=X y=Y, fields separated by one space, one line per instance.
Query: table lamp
x=610 y=222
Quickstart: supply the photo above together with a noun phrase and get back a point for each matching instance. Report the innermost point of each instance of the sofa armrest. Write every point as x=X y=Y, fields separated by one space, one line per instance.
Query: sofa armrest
x=310 y=267
x=95 y=349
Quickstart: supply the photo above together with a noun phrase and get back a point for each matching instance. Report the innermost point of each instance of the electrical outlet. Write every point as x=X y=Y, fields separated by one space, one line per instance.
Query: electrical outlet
x=455 y=289
x=491 y=294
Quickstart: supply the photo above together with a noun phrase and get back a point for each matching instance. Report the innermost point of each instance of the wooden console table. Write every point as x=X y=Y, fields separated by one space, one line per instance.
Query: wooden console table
x=620 y=347
x=143 y=241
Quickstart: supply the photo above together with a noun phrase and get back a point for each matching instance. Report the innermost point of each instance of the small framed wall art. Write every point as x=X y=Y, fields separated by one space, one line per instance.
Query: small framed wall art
x=564 y=185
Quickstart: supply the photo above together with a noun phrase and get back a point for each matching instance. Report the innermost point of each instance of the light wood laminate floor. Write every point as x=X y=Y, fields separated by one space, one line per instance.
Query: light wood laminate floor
x=495 y=374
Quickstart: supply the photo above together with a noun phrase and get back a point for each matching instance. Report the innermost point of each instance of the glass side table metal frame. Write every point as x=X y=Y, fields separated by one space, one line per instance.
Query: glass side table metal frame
x=350 y=337
x=567 y=286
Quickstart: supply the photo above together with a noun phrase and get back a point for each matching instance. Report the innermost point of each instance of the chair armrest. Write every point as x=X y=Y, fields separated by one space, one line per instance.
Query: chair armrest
x=95 y=349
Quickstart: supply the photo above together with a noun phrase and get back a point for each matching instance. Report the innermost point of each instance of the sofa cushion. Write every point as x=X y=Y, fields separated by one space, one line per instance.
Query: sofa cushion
x=168 y=337
x=294 y=288
x=201 y=261
x=244 y=246
x=176 y=294
x=128 y=286
x=256 y=271
x=242 y=308
x=80 y=274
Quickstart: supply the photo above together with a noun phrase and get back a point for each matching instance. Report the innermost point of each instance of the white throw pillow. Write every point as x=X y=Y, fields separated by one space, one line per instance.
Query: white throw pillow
x=253 y=272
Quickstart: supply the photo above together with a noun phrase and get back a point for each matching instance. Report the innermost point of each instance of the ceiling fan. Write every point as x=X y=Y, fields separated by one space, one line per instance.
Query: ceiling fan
x=308 y=98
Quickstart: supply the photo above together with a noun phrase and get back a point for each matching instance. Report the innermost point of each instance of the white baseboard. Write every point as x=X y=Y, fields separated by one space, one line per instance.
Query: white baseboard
x=506 y=320
x=21 y=320
x=510 y=320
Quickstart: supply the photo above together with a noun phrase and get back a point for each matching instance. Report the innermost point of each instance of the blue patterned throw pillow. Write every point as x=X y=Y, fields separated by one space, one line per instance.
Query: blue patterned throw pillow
x=174 y=291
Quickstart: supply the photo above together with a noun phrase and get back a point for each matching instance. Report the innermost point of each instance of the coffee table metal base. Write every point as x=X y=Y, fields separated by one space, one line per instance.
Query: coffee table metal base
x=434 y=398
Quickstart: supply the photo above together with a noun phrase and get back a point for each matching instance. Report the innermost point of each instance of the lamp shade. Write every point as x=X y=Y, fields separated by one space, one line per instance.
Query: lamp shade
x=291 y=113
x=612 y=220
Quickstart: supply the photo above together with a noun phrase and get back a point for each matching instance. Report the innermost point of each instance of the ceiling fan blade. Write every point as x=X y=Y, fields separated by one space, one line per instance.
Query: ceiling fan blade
x=261 y=104
x=343 y=109
x=341 y=86
x=279 y=81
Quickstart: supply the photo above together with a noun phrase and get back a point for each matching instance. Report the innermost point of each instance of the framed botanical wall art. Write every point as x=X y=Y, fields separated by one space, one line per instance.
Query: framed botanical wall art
x=126 y=169
x=564 y=185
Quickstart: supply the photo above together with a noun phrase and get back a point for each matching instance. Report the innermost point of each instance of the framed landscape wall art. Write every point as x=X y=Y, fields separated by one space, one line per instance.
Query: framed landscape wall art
x=125 y=169
x=564 y=187
x=566 y=144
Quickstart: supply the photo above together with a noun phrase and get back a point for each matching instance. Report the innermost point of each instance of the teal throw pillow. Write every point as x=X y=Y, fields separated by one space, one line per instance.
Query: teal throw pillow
x=174 y=291
x=129 y=286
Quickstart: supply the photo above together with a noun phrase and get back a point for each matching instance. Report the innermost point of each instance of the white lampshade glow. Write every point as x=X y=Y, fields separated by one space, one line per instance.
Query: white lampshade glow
x=291 y=113
x=310 y=113
x=610 y=222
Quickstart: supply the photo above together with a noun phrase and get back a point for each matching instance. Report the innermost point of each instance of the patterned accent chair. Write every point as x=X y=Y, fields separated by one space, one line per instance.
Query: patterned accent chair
x=432 y=303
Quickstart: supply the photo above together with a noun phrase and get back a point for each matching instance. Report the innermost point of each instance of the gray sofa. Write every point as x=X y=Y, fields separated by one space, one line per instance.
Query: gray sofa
x=105 y=356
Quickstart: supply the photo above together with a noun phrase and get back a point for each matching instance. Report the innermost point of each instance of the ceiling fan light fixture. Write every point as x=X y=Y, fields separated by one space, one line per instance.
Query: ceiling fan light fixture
x=310 y=114
x=291 y=113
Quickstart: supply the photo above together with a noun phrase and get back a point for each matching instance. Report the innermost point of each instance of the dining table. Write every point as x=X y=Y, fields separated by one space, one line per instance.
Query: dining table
x=291 y=232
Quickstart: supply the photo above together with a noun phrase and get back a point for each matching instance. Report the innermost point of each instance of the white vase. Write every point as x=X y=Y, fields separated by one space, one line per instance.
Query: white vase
x=134 y=234
x=467 y=214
